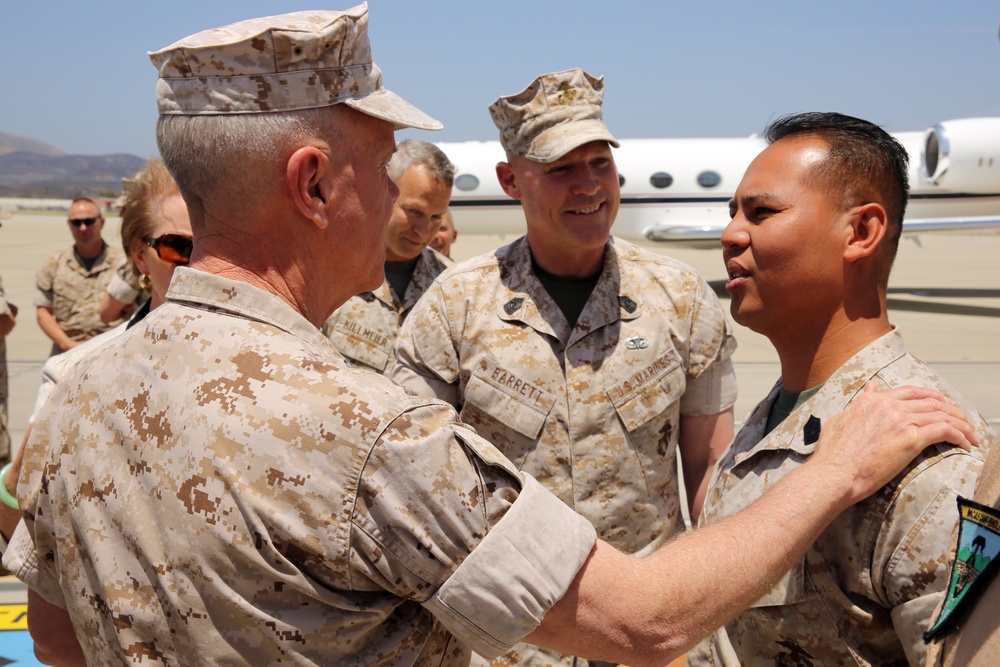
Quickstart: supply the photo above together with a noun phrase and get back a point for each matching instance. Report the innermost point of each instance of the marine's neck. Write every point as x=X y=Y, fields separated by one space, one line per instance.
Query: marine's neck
x=808 y=359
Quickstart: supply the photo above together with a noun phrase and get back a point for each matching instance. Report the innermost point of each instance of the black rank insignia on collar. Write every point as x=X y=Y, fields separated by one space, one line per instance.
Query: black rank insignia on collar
x=977 y=560
x=810 y=432
x=627 y=303
x=513 y=305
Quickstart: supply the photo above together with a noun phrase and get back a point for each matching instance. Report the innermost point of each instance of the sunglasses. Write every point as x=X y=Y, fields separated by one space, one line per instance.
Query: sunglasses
x=80 y=222
x=172 y=248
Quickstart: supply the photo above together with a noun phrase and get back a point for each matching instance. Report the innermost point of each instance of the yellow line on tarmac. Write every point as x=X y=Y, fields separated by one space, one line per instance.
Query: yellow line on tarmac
x=13 y=617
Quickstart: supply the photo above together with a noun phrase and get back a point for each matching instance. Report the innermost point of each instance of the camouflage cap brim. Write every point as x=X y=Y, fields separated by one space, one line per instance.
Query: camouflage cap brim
x=556 y=141
x=389 y=106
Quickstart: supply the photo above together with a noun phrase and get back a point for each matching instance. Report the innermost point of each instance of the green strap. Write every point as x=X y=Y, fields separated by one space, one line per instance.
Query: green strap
x=8 y=500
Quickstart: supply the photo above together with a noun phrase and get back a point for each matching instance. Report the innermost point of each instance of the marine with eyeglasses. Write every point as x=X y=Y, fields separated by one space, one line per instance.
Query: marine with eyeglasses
x=70 y=284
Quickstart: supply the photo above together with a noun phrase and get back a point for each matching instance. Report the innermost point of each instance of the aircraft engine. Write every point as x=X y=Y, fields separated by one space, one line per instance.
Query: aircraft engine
x=963 y=155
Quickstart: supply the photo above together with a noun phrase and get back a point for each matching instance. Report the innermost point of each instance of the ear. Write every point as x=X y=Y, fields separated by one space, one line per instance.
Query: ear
x=307 y=178
x=139 y=257
x=508 y=179
x=868 y=224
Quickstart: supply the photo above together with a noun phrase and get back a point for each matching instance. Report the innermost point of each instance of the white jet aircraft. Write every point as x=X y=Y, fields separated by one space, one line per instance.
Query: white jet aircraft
x=677 y=191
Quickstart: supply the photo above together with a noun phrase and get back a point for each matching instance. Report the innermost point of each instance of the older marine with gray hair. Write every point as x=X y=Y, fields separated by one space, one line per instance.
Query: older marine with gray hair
x=365 y=328
x=224 y=489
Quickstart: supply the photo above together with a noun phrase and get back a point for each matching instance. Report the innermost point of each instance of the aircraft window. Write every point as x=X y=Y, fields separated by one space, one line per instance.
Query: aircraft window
x=931 y=151
x=709 y=179
x=661 y=179
x=621 y=180
x=466 y=182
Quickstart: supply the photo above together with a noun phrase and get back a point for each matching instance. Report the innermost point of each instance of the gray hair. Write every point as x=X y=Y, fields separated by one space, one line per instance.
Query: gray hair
x=233 y=158
x=421 y=153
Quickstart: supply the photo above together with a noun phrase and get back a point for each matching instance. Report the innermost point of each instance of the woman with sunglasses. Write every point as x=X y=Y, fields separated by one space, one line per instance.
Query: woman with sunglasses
x=156 y=232
x=153 y=215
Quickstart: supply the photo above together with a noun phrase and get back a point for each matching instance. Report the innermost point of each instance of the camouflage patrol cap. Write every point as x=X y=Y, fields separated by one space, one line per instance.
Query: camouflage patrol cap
x=556 y=113
x=303 y=60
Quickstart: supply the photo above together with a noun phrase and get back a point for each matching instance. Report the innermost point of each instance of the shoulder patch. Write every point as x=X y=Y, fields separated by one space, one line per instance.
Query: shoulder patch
x=627 y=303
x=975 y=565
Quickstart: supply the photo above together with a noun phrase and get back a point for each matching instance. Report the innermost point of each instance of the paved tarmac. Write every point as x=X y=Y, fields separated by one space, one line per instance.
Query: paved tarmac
x=944 y=296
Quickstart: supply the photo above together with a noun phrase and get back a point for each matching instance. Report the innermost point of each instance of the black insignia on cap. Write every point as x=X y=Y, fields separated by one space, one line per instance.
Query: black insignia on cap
x=810 y=432
x=513 y=305
x=627 y=303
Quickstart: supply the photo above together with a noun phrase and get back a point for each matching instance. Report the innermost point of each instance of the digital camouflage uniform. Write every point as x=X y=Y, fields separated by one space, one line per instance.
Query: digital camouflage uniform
x=74 y=293
x=217 y=487
x=366 y=327
x=60 y=365
x=591 y=412
x=865 y=591
x=4 y=432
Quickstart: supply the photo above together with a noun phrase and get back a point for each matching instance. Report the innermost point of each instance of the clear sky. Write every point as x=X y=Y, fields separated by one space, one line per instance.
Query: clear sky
x=75 y=74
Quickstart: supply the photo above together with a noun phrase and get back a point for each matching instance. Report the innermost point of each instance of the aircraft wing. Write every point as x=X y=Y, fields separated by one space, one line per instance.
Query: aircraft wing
x=926 y=225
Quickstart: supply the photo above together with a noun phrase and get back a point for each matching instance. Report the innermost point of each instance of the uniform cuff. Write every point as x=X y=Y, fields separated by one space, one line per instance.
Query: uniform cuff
x=21 y=560
x=523 y=566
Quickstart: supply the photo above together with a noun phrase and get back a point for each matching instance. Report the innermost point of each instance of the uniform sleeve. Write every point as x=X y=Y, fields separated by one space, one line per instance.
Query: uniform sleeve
x=31 y=553
x=121 y=287
x=4 y=305
x=711 y=392
x=426 y=359
x=53 y=370
x=912 y=552
x=711 y=378
x=443 y=518
x=21 y=560
x=44 y=280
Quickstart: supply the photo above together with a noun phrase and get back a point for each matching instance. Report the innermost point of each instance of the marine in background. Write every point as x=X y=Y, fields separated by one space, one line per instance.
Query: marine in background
x=586 y=360
x=365 y=328
x=446 y=235
x=69 y=286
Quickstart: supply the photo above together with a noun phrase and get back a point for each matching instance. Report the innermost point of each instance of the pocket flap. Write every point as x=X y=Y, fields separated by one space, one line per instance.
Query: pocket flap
x=511 y=400
x=648 y=392
x=372 y=350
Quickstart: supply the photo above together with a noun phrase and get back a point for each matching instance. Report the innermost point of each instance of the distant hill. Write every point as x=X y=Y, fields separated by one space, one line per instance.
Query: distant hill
x=10 y=143
x=31 y=168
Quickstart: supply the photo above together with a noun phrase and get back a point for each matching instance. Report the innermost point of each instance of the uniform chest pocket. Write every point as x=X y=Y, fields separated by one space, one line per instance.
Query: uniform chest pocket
x=508 y=398
x=649 y=392
x=365 y=346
